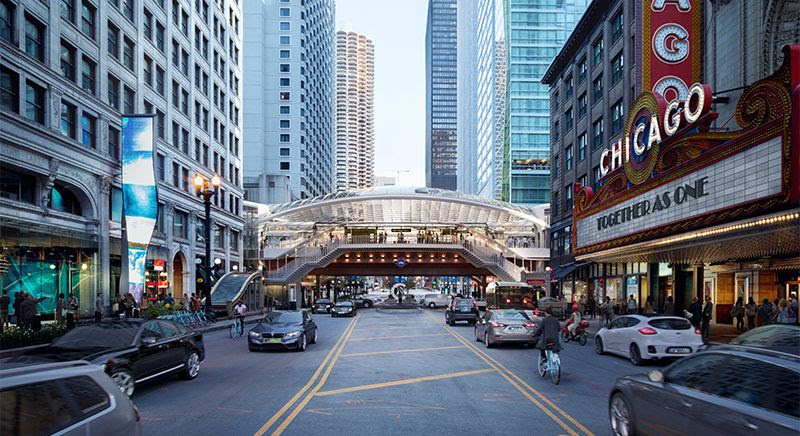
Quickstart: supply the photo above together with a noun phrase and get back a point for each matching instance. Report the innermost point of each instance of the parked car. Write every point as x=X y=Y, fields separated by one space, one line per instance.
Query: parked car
x=461 y=309
x=730 y=390
x=784 y=338
x=646 y=337
x=130 y=351
x=377 y=298
x=362 y=301
x=435 y=300
x=283 y=330
x=418 y=293
x=323 y=305
x=505 y=325
x=65 y=398
x=343 y=308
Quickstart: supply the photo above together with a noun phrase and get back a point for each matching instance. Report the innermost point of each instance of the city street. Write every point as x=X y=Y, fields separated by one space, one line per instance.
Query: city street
x=400 y=372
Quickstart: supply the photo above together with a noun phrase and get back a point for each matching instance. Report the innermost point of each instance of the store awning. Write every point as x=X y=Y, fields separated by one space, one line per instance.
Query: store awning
x=562 y=271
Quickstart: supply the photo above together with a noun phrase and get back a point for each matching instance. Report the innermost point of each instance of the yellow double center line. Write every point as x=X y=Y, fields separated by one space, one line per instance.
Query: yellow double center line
x=522 y=386
x=335 y=352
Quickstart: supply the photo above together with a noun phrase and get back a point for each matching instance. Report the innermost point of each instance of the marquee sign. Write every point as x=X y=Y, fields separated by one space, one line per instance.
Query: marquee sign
x=670 y=46
x=670 y=173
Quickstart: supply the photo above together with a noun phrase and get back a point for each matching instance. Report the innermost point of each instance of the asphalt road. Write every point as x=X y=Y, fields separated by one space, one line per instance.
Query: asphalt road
x=384 y=373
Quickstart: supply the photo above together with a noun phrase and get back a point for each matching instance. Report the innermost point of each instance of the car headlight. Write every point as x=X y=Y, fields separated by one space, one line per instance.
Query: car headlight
x=293 y=334
x=254 y=334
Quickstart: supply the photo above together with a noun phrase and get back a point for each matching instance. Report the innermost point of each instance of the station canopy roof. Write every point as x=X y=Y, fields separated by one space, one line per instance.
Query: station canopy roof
x=403 y=205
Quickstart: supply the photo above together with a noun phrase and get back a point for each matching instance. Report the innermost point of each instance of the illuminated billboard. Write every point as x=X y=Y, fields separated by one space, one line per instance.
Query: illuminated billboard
x=140 y=198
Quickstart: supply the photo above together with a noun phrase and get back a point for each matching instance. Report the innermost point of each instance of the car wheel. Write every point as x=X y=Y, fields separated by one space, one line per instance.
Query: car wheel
x=301 y=345
x=451 y=322
x=191 y=367
x=598 y=345
x=486 y=340
x=367 y=304
x=124 y=380
x=432 y=306
x=635 y=356
x=313 y=338
x=619 y=413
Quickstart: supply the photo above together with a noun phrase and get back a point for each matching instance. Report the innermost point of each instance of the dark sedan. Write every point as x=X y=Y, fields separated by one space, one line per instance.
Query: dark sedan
x=343 y=308
x=130 y=351
x=726 y=390
x=283 y=330
x=323 y=305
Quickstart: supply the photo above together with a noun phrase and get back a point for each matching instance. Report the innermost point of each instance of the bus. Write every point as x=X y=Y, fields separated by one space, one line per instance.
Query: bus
x=511 y=295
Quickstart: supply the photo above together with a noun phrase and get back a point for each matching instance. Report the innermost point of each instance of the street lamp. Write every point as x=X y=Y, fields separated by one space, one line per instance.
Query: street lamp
x=206 y=189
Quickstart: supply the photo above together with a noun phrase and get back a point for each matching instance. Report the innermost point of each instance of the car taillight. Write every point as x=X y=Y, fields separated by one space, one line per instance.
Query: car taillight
x=530 y=325
x=697 y=331
x=508 y=301
x=647 y=331
x=496 y=324
x=524 y=301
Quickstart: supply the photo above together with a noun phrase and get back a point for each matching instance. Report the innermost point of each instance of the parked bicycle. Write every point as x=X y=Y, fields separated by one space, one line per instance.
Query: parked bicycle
x=552 y=364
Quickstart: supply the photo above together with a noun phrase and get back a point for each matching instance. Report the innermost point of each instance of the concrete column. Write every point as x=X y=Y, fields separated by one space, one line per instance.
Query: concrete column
x=103 y=270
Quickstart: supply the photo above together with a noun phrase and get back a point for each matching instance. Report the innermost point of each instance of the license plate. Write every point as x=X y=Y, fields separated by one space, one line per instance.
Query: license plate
x=515 y=328
x=679 y=350
x=274 y=340
x=464 y=309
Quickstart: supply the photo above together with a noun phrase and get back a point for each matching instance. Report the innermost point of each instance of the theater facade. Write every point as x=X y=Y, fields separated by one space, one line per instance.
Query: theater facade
x=684 y=210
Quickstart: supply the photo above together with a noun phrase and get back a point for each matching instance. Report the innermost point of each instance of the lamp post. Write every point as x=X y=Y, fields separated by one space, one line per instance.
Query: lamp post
x=206 y=189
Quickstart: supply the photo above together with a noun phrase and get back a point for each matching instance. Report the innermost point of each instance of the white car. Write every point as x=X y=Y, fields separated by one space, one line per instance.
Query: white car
x=640 y=338
x=436 y=300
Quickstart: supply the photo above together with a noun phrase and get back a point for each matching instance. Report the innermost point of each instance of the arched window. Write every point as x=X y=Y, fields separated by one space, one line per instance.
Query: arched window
x=63 y=199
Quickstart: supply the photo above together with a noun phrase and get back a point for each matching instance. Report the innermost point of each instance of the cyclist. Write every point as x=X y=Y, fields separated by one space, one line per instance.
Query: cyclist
x=239 y=311
x=547 y=332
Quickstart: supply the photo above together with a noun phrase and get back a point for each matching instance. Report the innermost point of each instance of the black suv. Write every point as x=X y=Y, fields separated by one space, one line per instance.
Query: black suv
x=461 y=309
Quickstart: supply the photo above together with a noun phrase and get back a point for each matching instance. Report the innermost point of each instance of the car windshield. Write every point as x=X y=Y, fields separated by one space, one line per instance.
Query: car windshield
x=344 y=304
x=283 y=317
x=511 y=315
x=323 y=301
x=432 y=296
x=463 y=302
x=771 y=337
x=103 y=335
x=670 y=324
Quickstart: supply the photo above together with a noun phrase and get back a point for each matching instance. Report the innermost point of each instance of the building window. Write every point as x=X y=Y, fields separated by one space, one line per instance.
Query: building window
x=34 y=103
x=568 y=120
x=113 y=142
x=64 y=200
x=617 y=117
x=34 y=38
x=616 y=27
x=217 y=238
x=568 y=198
x=581 y=147
x=285 y=124
x=581 y=71
x=284 y=12
x=284 y=40
x=285 y=81
x=160 y=121
x=129 y=100
x=9 y=90
x=597 y=51
x=597 y=89
x=67 y=8
x=568 y=87
x=128 y=53
x=7 y=11
x=160 y=80
x=160 y=169
x=88 y=12
x=67 y=61
x=616 y=69
x=284 y=54
x=88 y=70
x=285 y=96
x=148 y=70
x=179 y=224
x=88 y=133
x=555 y=101
x=115 y=204
x=596 y=177
x=284 y=137
x=285 y=68
x=285 y=110
x=582 y=105
x=285 y=25
x=147 y=24
x=113 y=92
x=568 y=158
x=597 y=131
x=127 y=10
x=16 y=185
x=113 y=40
x=67 y=119
x=284 y=151
x=234 y=239
x=160 y=36
x=284 y=166
x=554 y=168
x=176 y=175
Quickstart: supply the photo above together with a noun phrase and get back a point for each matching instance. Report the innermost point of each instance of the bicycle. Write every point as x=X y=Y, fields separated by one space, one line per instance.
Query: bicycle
x=237 y=328
x=551 y=364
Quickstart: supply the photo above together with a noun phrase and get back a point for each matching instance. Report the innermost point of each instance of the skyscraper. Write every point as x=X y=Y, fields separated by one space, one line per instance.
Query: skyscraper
x=355 y=132
x=440 y=98
x=537 y=34
x=68 y=72
x=288 y=99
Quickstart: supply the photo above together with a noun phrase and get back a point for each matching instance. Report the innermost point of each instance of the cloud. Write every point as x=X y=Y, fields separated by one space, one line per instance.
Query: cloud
x=139 y=172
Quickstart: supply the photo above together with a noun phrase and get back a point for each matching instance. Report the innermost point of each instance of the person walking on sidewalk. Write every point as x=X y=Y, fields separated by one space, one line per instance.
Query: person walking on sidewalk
x=607 y=311
x=750 y=310
x=98 y=307
x=5 y=301
x=632 y=305
x=738 y=312
x=61 y=309
x=592 y=306
x=669 y=307
x=765 y=312
x=15 y=304
x=783 y=312
x=707 y=313
x=695 y=313
x=793 y=309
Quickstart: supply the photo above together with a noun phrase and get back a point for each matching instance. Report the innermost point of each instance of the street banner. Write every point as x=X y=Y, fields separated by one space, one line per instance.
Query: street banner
x=140 y=198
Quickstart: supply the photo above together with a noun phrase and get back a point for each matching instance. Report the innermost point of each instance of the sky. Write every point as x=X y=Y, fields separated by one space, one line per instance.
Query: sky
x=397 y=28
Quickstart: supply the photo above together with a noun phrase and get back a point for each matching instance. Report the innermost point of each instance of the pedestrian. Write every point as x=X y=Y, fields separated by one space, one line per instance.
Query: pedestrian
x=669 y=307
x=592 y=306
x=793 y=309
x=696 y=313
x=28 y=311
x=169 y=299
x=15 y=305
x=648 y=306
x=61 y=309
x=98 y=307
x=765 y=312
x=707 y=313
x=607 y=310
x=783 y=312
x=631 y=305
x=750 y=310
x=73 y=306
x=195 y=303
x=5 y=301
x=738 y=312
x=129 y=303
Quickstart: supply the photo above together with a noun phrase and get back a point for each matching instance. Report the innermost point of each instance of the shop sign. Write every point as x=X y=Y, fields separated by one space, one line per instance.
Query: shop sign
x=633 y=285
x=535 y=282
x=400 y=262
x=158 y=265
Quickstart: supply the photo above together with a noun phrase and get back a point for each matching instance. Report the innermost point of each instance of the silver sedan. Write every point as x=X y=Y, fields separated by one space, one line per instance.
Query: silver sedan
x=504 y=325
